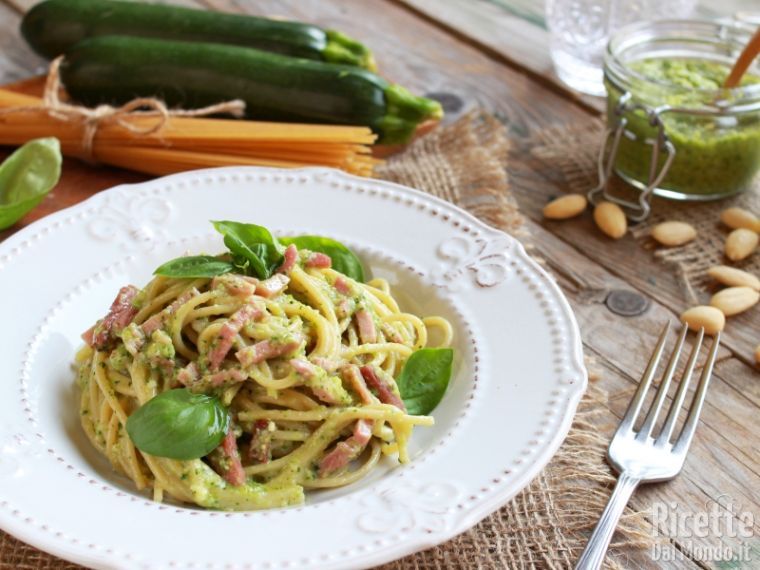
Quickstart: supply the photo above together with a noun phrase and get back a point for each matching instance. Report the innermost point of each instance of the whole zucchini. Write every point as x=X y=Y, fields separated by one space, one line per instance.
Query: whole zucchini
x=53 y=26
x=116 y=69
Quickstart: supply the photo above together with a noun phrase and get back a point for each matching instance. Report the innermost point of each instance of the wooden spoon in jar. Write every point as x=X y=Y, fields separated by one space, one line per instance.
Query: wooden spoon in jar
x=745 y=59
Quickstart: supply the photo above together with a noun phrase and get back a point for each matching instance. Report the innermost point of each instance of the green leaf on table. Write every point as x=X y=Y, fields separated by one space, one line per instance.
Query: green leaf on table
x=26 y=177
x=424 y=379
x=343 y=259
x=255 y=251
x=179 y=424
x=194 y=266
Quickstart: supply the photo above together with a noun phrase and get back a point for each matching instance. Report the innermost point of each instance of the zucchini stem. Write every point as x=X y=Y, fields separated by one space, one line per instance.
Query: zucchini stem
x=343 y=49
x=404 y=112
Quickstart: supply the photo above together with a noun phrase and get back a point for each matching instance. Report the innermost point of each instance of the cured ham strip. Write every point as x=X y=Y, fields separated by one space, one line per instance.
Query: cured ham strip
x=326 y=364
x=318 y=260
x=353 y=376
x=189 y=374
x=229 y=331
x=235 y=285
x=382 y=387
x=224 y=377
x=120 y=314
x=260 y=448
x=341 y=286
x=232 y=467
x=304 y=367
x=291 y=256
x=323 y=391
x=367 y=330
x=264 y=350
x=348 y=450
x=158 y=320
x=166 y=365
x=122 y=309
x=87 y=336
x=273 y=286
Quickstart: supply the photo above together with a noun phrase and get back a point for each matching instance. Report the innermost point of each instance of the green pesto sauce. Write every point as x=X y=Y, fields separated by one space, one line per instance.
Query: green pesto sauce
x=714 y=155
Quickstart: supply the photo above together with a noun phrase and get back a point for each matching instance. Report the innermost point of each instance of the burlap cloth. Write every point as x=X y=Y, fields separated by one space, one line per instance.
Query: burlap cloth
x=546 y=525
x=574 y=150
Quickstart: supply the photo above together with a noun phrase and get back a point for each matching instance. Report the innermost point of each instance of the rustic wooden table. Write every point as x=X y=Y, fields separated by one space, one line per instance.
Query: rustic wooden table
x=494 y=53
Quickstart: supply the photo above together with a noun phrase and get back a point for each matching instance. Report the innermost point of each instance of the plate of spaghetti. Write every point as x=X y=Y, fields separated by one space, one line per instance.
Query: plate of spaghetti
x=285 y=368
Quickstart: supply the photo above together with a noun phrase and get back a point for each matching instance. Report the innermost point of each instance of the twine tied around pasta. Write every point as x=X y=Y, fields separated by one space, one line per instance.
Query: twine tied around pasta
x=93 y=118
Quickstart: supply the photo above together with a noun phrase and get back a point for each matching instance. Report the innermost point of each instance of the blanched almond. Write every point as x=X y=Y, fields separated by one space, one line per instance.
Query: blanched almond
x=733 y=277
x=735 y=300
x=610 y=219
x=736 y=218
x=709 y=318
x=673 y=233
x=740 y=244
x=565 y=207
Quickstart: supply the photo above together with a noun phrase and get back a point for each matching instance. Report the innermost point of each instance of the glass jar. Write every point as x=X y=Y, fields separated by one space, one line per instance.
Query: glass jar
x=673 y=131
x=580 y=29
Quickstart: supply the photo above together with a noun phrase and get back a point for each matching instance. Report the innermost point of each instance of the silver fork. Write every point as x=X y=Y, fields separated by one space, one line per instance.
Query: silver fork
x=638 y=456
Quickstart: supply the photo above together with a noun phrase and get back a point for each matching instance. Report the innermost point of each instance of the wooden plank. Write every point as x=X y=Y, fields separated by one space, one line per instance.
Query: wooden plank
x=17 y=60
x=515 y=31
x=606 y=333
x=528 y=107
x=725 y=436
x=438 y=63
x=20 y=6
x=78 y=180
x=435 y=65
x=534 y=184
x=681 y=491
x=427 y=60
x=511 y=32
x=588 y=285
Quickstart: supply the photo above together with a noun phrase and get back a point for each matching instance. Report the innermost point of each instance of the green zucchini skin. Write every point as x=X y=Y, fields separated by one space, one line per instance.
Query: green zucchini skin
x=116 y=69
x=54 y=26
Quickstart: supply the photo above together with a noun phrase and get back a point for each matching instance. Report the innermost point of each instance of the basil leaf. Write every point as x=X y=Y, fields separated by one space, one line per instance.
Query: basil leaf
x=424 y=379
x=343 y=259
x=255 y=251
x=194 y=266
x=179 y=424
x=26 y=176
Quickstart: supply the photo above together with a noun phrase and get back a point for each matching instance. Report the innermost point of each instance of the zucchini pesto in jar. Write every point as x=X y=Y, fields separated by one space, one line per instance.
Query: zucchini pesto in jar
x=666 y=102
x=716 y=155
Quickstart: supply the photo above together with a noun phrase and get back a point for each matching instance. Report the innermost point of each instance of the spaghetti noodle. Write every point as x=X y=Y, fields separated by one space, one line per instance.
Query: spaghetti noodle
x=186 y=143
x=305 y=361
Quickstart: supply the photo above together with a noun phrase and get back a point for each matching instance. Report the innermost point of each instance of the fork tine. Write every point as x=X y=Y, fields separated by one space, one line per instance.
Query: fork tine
x=675 y=407
x=654 y=410
x=687 y=433
x=646 y=380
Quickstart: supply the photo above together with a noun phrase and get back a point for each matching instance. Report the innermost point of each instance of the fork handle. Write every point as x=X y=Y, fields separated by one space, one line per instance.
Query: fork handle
x=597 y=546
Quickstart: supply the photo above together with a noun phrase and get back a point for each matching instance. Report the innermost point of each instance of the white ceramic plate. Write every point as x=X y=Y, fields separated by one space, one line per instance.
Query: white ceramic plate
x=518 y=372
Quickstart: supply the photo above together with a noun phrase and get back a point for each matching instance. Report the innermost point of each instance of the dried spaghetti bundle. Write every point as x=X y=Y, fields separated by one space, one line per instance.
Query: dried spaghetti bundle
x=160 y=143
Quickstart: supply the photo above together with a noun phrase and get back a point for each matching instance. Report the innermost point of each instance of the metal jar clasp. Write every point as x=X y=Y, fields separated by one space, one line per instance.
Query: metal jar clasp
x=636 y=211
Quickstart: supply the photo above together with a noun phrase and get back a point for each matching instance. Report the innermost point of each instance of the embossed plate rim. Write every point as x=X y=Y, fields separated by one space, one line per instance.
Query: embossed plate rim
x=512 y=262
